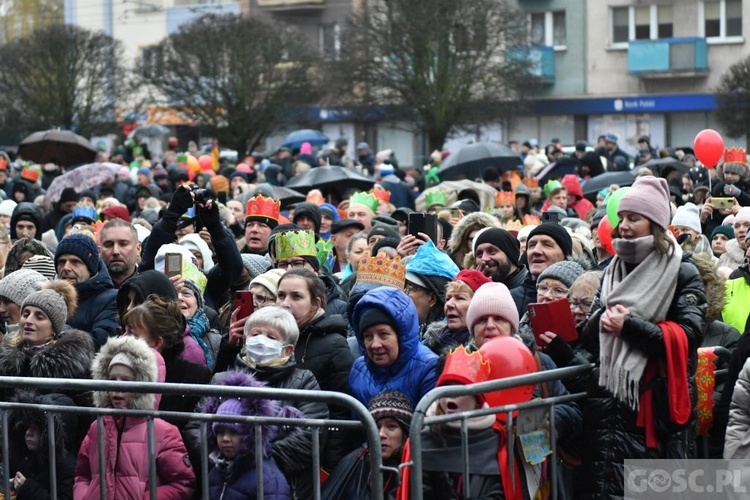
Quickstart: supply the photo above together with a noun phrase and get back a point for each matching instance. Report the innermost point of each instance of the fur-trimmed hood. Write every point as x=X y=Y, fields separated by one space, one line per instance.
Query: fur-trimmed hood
x=249 y=407
x=472 y=222
x=69 y=356
x=714 y=285
x=143 y=362
x=64 y=423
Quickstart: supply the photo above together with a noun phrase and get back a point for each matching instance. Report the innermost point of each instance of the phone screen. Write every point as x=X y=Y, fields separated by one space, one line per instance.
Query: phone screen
x=173 y=264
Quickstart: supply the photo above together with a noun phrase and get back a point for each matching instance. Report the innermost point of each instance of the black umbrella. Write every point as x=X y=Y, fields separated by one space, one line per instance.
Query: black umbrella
x=336 y=178
x=558 y=170
x=61 y=147
x=596 y=184
x=662 y=167
x=471 y=160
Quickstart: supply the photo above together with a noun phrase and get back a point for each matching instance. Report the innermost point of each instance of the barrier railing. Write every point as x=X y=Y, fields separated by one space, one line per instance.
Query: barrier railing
x=366 y=422
x=420 y=420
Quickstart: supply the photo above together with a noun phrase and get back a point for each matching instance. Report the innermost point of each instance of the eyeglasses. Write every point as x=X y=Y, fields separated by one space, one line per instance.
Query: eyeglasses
x=411 y=287
x=583 y=305
x=557 y=292
x=292 y=264
x=263 y=299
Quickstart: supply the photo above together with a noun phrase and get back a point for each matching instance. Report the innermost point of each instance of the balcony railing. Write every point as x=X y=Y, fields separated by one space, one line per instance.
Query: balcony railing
x=541 y=61
x=668 y=57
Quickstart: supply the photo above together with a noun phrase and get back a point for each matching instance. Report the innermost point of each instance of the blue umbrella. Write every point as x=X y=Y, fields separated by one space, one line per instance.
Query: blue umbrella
x=296 y=138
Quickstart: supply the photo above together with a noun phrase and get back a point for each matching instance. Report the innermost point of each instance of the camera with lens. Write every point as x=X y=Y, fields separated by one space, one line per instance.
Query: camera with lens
x=202 y=195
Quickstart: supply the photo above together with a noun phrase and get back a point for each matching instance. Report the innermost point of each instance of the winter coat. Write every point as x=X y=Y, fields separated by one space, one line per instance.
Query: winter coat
x=736 y=442
x=125 y=439
x=97 y=306
x=610 y=430
x=582 y=206
x=413 y=372
x=323 y=350
x=350 y=479
x=37 y=485
x=335 y=297
x=241 y=482
x=29 y=210
x=737 y=305
x=733 y=257
x=69 y=356
x=459 y=244
x=439 y=338
x=180 y=371
x=740 y=355
x=524 y=294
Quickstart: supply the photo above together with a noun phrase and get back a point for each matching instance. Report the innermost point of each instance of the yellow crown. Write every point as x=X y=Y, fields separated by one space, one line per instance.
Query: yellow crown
x=513 y=225
x=505 y=198
x=382 y=270
x=295 y=244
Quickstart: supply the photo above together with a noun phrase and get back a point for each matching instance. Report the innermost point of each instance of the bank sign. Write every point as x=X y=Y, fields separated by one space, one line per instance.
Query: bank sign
x=646 y=104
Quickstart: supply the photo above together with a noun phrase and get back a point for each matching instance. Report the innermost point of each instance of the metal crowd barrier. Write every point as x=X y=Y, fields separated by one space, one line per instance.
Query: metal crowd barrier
x=59 y=385
x=419 y=421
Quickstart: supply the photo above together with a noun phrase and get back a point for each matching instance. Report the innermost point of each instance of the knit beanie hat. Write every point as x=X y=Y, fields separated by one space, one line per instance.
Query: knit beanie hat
x=374 y=316
x=329 y=211
x=743 y=214
x=83 y=247
x=566 y=272
x=230 y=407
x=727 y=231
x=473 y=278
x=58 y=299
x=649 y=197
x=68 y=194
x=269 y=280
x=392 y=404
x=42 y=264
x=735 y=168
x=220 y=184
x=308 y=210
x=688 y=216
x=7 y=207
x=256 y=264
x=385 y=230
x=492 y=299
x=121 y=359
x=557 y=233
x=500 y=238
x=20 y=284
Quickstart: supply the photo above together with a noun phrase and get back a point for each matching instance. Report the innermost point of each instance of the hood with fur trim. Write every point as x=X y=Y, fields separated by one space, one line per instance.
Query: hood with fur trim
x=70 y=356
x=472 y=222
x=249 y=407
x=714 y=285
x=143 y=362
x=64 y=423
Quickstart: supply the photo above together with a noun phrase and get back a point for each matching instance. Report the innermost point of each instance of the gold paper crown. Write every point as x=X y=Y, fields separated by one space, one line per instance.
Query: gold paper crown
x=295 y=244
x=381 y=194
x=531 y=220
x=367 y=199
x=513 y=225
x=505 y=198
x=464 y=367
x=735 y=155
x=436 y=197
x=262 y=207
x=531 y=183
x=382 y=270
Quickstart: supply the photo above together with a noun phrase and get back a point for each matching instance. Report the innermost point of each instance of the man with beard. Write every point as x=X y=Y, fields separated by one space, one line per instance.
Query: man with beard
x=496 y=253
x=120 y=250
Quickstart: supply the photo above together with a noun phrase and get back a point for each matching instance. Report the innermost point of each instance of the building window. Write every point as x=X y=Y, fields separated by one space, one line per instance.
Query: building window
x=650 y=22
x=151 y=61
x=330 y=41
x=722 y=18
x=547 y=29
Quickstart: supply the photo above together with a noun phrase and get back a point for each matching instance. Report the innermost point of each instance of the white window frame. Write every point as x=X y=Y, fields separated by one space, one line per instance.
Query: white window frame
x=336 y=40
x=653 y=19
x=722 y=38
x=549 y=26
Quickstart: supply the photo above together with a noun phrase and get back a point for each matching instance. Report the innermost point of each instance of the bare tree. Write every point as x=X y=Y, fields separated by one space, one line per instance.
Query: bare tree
x=240 y=76
x=63 y=76
x=439 y=63
x=733 y=99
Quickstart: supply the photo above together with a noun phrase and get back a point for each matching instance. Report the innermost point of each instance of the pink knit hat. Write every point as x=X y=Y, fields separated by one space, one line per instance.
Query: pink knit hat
x=648 y=197
x=743 y=214
x=492 y=299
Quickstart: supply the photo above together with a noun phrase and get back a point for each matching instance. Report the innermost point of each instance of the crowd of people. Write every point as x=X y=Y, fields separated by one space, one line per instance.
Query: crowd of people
x=346 y=297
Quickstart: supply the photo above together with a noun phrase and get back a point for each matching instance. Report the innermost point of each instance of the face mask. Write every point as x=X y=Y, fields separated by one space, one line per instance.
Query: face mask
x=261 y=349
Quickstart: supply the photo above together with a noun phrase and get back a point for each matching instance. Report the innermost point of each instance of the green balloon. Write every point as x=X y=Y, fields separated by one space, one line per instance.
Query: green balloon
x=613 y=204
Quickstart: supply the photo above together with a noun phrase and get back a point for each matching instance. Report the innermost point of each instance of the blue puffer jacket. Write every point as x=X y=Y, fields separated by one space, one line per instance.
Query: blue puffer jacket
x=413 y=372
x=97 y=307
x=242 y=482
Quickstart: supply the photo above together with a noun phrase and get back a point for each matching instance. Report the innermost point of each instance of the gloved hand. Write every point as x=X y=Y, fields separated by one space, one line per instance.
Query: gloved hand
x=732 y=191
x=210 y=217
x=181 y=201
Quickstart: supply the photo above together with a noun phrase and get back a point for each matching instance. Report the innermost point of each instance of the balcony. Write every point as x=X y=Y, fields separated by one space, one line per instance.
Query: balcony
x=541 y=61
x=668 y=58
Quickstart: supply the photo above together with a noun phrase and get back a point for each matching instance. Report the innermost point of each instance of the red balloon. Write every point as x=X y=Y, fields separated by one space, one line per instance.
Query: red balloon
x=604 y=233
x=709 y=147
x=508 y=357
x=206 y=162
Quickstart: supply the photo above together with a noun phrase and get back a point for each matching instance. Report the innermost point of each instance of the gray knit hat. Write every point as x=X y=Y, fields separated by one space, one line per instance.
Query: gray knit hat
x=256 y=264
x=58 y=299
x=19 y=284
x=566 y=272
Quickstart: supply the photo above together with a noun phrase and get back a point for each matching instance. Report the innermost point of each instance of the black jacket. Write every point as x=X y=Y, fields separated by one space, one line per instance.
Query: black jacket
x=37 y=485
x=97 y=307
x=610 y=430
x=524 y=294
x=322 y=349
x=29 y=212
x=180 y=371
x=335 y=297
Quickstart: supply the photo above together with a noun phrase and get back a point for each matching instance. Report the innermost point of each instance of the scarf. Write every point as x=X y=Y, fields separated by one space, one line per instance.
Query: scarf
x=198 y=325
x=32 y=350
x=647 y=292
x=225 y=467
